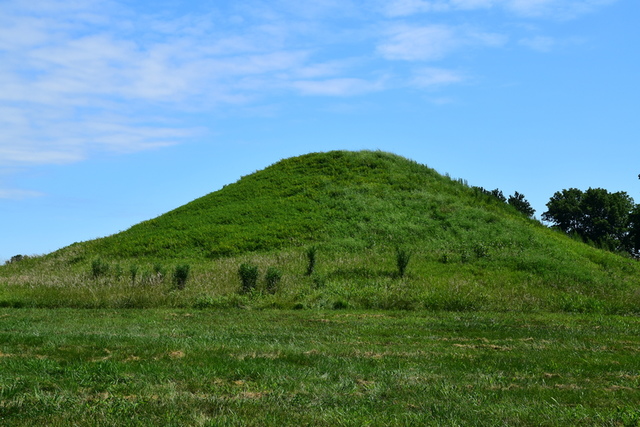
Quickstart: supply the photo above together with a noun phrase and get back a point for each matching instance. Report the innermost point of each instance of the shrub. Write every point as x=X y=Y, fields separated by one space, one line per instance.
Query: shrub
x=340 y=305
x=402 y=260
x=272 y=279
x=311 y=258
x=99 y=268
x=158 y=270
x=16 y=258
x=133 y=272
x=180 y=275
x=248 y=276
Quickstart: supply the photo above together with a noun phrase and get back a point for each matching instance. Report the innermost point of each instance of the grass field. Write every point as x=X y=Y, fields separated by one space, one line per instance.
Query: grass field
x=329 y=289
x=317 y=367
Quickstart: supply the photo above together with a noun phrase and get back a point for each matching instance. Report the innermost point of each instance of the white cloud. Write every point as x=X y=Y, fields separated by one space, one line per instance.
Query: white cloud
x=79 y=77
x=408 y=7
x=72 y=75
x=336 y=87
x=432 y=42
x=539 y=43
x=419 y=43
x=562 y=9
x=430 y=77
x=14 y=194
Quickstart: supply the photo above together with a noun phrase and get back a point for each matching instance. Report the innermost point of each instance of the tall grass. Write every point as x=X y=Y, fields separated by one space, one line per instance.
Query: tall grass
x=272 y=279
x=366 y=279
x=133 y=273
x=180 y=275
x=248 y=277
x=99 y=268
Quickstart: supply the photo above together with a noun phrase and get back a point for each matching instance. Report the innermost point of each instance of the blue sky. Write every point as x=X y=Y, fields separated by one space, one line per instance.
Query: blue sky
x=116 y=111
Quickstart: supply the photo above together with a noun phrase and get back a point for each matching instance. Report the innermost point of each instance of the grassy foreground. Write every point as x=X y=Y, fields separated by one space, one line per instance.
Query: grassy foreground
x=340 y=367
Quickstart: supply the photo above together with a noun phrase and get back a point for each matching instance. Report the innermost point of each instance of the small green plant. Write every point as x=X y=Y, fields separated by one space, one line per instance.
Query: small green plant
x=99 y=268
x=311 y=258
x=272 y=279
x=402 y=260
x=248 y=276
x=117 y=271
x=133 y=273
x=158 y=270
x=319 y=281
x=340 y=305
x=180 y=275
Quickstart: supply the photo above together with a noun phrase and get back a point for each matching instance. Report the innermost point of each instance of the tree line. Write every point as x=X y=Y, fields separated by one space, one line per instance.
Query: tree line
x=596 y=216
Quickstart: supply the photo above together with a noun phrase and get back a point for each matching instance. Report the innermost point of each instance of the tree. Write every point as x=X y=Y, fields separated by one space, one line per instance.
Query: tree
x=596 y=215
x=497 y=193
x=606 y=217
x=521 y=204
x=634 y=231
x=565 y=210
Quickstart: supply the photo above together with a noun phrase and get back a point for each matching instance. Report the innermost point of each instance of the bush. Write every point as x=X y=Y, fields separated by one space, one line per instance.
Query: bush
x=158 y=270
x=180 y=275
x=16 y=258
x=99 y=268
x=248 y=276
x=272 y=279
x=311 y=258
x=133 y=272
x=340 y=305
x=402 y=260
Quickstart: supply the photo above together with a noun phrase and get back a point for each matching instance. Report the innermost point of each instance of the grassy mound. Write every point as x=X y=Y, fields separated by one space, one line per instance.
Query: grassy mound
x=362 y=215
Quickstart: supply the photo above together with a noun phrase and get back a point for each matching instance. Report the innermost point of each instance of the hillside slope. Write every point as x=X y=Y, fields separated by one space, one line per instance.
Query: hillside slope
x=357 y=208
x=341 y=199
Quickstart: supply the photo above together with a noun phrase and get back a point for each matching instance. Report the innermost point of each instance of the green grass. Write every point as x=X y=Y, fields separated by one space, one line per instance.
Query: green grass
x=384 y=294
x=274 y=367
x=361 y=280
x=332 y=223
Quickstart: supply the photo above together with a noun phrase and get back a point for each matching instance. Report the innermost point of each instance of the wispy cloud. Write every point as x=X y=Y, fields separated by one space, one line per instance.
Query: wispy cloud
x=435 y=77
x=337 y=87
x=73 y=75
x=13 y=194
x=556 y=9
x=432 y=42
x=418 y=43
x=539 y=43
x=96 y=75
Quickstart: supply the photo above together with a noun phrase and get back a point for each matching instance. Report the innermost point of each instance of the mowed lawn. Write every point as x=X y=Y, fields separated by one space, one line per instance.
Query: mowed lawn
x=340 y=367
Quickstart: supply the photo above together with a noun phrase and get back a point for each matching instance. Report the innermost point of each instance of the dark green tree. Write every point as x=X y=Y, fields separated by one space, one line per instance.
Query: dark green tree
x=565 y=211
x=606 y=217
x=497 y=193
x=521 y=204
x=634 y=231
x=595 y=215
